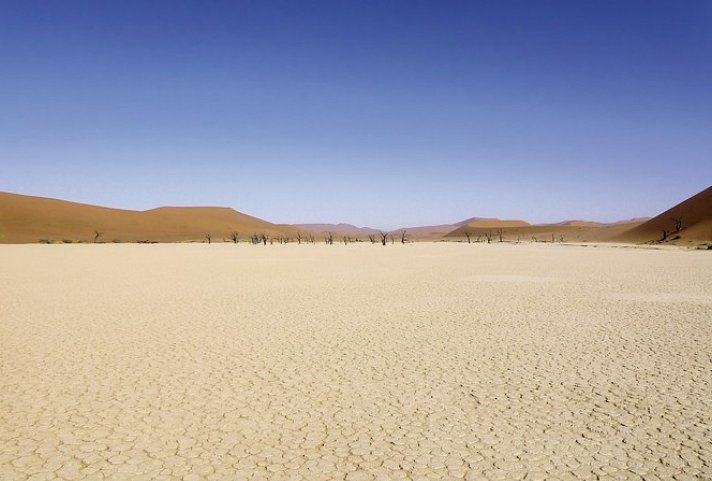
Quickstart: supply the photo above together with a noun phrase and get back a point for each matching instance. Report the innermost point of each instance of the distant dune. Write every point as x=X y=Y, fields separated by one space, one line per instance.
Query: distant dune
x=575 y=223
x=25 y=219
x=31 y=219
x=337 y=229
x=570 y=231
x=694 y=216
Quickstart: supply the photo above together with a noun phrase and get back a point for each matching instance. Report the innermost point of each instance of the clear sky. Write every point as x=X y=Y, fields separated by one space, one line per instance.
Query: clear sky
x=380 y=113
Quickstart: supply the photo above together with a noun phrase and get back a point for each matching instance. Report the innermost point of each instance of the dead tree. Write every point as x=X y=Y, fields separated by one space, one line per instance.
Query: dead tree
x=403 y=236
x=372 y=238
x=665 y=234
x=209 y=237
x=488 y=235
x=329 y=238
x=384 y=237
x=299 y=237
x=469 y=237
x=97 y=235
x=346 y=240
x=264 y=239
x=501 y=238
x=234 y=237
x=678 y=223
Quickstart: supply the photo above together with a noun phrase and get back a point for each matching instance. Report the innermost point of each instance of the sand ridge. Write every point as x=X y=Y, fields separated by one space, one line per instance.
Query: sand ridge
x=358 y=362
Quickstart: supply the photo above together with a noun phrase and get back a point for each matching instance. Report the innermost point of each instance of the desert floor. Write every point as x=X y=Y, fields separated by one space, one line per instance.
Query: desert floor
x=358 y=362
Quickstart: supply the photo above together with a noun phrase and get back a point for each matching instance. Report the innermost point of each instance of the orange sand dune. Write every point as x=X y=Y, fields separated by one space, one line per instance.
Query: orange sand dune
x=695 y=215
x=31 y=219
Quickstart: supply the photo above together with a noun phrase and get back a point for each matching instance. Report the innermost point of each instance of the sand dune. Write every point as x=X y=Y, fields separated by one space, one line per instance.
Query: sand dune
x=695 y=215
x=557 y=232
x=29 y=219
x=32 y=219
x=425 y=361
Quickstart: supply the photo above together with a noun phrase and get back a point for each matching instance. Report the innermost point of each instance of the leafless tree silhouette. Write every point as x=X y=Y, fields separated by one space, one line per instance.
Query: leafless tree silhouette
x=329 y=239
x=299 y=237
x=264 y=239
x=97 y=235
x=469 y=236
x=234 y=237
x=678 y=223
x=488 y=235
x=209 y=237
x=384 y=237
x=403 y=236
x=500 y=233
x=372 y=238
x=665 y=234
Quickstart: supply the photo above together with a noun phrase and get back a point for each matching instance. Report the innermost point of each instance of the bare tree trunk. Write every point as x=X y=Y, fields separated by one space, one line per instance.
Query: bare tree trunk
x=384 y=237
x=468 y=235
x=403 y=236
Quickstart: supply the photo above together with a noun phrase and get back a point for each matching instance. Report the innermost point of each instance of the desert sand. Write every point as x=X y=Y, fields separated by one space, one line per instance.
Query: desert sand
x=359 y=362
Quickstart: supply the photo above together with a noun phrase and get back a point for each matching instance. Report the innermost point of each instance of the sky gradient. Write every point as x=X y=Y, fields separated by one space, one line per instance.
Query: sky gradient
x=384 y=114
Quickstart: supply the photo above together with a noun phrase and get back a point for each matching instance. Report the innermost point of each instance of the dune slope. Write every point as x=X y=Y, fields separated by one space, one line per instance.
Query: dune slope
x=30 y=219
x=695 y=221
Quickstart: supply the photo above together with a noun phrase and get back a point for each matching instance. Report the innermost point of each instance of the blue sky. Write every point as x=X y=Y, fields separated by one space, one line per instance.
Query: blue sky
x=373 y=113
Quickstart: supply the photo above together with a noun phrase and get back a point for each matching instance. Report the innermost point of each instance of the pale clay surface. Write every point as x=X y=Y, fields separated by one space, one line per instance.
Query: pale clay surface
x=359 y=362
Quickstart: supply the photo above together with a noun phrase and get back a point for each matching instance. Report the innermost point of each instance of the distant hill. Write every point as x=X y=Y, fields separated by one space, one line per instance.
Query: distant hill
x=337 y=229
x=30 y=219
x=569 y=231
x=575 y=223
x=694 y=216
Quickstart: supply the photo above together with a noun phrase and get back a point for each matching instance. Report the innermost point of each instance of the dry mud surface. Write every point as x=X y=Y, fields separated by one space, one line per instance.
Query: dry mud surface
x=358 y=362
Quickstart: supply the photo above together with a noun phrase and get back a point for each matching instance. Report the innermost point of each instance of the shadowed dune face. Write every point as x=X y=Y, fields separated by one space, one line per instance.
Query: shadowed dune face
x=693 y=214
x=30 y=219
x=429 y=360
